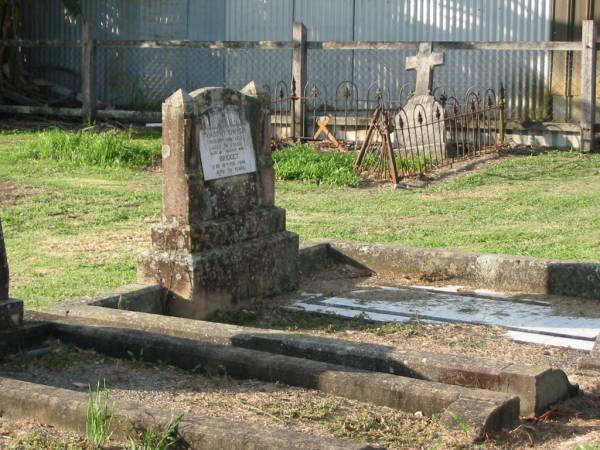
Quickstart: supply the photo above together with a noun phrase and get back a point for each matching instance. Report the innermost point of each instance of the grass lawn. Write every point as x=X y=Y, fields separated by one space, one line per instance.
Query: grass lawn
x=74 y=231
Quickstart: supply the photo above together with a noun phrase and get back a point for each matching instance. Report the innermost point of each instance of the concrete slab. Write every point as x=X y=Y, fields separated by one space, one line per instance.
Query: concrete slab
x=532 y=320
x=553 y=341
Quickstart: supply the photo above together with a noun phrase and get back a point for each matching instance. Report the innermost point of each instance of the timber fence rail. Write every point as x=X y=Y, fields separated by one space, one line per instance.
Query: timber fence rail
x=299 y=47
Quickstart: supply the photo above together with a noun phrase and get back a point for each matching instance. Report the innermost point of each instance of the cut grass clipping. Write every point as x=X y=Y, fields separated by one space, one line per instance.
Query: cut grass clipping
x=306 y=164
x=99 y=416
x=84 y=148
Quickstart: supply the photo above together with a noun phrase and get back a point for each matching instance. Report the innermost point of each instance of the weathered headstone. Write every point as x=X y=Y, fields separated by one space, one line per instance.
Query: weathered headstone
x=11 y=311
x=222 y=242
x=420 y=126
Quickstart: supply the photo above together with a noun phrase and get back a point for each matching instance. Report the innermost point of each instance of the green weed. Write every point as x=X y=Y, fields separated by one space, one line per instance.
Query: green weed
x=82 y=148
x=99 y=416
x=412 y=164
x=158 y=440
x=460 y=421
x=306 y=164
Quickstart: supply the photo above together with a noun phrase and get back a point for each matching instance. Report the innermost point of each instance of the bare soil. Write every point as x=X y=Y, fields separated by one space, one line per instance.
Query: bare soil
x=12 y=193
x=271 y=405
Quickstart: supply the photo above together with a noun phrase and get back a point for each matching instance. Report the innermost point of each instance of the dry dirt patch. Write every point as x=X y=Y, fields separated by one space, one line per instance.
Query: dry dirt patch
x=32 y=435
x=100 y=246
x=13 y=193
x=269 y=405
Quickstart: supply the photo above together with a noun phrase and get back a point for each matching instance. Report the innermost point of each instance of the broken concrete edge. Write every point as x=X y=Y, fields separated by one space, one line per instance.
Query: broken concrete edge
x=11 y=313
x=592 y=363
x=463 y=412
x=66 y=409
x=406 y=394
x=506 y=273
x=596 y=349
x=538 y=386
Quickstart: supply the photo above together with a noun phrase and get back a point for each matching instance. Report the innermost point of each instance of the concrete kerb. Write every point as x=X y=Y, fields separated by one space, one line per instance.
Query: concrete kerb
x=538 y=387
x=507 y=273
x=490 y=411
x=66 y=409
x=15 y=340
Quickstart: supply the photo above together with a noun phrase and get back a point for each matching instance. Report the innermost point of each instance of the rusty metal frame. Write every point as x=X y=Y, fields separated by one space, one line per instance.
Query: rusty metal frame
x=457 y=129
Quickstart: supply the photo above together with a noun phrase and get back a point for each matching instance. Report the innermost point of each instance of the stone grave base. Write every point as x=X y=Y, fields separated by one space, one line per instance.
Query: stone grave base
x=11 y=313
x=202 y=283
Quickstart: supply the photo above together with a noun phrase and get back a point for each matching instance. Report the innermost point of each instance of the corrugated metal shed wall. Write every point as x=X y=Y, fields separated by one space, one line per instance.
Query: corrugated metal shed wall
x=143 y=76
x=460 y=20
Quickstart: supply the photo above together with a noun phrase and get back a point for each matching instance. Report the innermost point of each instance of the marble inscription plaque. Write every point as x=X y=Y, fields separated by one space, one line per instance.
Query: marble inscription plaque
x=225 y=144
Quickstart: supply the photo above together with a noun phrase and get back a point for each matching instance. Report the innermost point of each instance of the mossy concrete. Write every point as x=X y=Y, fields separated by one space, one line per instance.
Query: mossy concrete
x=505 y=273
x=66 y=409
x=222 y=242
x=538 y=386
x=491 y=411
x=17 y=340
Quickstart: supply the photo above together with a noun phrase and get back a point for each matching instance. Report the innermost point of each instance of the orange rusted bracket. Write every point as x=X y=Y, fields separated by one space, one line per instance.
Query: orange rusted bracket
x=380 y=122
x=322 y=122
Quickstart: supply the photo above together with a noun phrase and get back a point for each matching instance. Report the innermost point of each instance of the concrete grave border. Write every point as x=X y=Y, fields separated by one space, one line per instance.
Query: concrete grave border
x=66 y=409
x=537 y=386
x=506 y=273
x=486 y=395
x=481 y=411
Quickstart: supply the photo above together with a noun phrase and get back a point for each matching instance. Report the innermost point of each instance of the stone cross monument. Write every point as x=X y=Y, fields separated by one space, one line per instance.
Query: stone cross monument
x=222 y=242
x=420 y=126
x=11 y=311
x=423 y=63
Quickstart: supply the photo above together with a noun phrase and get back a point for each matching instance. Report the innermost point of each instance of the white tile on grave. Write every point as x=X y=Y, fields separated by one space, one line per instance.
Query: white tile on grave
x=450 y=288
x=542 y=339
x=389 y=288
x=350 y=313
x=491 y=293
x=514 y=314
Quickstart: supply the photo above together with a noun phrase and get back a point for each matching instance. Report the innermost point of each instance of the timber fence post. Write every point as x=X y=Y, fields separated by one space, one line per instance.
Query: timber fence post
x=299 y=75
x=589 y=36
x=88 y=73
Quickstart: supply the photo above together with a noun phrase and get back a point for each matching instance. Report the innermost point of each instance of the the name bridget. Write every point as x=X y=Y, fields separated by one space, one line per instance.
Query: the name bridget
x=229 y=157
